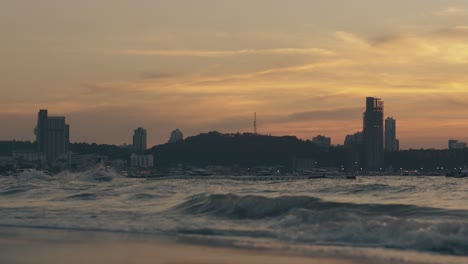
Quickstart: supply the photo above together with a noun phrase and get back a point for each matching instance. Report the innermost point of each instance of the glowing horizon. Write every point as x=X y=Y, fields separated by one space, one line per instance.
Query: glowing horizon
x=304 y=67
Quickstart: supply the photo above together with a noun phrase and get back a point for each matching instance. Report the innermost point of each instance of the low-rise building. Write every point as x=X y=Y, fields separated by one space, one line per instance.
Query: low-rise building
x=141 y=161
x=30 y=158
x=455 y=144
x=8 y=161
x=300 y=164
x=176 y=136
x=322 y=141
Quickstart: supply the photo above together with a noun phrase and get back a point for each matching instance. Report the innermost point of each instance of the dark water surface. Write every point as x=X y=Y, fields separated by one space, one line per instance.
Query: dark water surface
x=428 y=215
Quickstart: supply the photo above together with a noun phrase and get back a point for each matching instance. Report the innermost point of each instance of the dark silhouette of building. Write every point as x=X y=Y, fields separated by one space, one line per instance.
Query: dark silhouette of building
x=373 y=134
x=139 y=140
x=390 y=135
x=322 y=141
x=176 y=136
x=41 y=130
x=52 y=135
x=353 y=140
x=455 y=144
x=354 y=147
x=303 y=164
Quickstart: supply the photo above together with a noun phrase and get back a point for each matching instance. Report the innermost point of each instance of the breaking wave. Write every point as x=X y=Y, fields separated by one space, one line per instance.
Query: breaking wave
x=302 y=219
x=368 y=189
x=259 y=207
x=12 y=191
x=99 y=173
x=82 y=196
x=100 y=199
x=29 y=175
x=144 y=196
x=243 y=207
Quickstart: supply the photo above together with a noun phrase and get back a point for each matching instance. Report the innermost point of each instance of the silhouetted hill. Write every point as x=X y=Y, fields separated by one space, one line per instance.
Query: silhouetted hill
x=243 y=150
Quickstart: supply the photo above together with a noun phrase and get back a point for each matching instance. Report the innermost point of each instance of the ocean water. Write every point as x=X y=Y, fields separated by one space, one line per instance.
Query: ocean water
x=412 y=219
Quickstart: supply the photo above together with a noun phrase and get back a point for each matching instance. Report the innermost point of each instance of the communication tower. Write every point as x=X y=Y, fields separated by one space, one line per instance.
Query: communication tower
x=255 y=123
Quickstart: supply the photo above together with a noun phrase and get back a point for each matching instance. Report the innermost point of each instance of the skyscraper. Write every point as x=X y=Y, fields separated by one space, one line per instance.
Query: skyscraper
x=41 y=130
x=390 y=134
x=139 y=140
x=373 y=134
x=52 y=135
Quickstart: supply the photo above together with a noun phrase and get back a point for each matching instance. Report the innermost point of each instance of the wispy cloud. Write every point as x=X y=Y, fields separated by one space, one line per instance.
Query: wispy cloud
x=322 y=93
x=352 y=39
x=452 y=11
x=457 y=32
x=327 y=114
x=225 y=53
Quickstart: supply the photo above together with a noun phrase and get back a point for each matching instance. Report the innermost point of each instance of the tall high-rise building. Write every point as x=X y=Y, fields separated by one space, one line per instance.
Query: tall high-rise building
x=40 y=130
x=139 y=140
x=373 y=134
x=176 y=136
x=390 y=135
x=52 y=135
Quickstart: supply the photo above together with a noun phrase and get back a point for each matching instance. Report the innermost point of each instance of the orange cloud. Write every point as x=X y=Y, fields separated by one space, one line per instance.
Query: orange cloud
x=422 y=77
x=224 y=53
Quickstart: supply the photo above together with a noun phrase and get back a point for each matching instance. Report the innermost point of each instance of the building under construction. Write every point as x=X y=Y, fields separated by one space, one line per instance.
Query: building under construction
x=373 y=134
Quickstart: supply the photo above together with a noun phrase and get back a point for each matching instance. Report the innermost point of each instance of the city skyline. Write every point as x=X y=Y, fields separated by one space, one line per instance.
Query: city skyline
x=374 y=107
x=303 y=66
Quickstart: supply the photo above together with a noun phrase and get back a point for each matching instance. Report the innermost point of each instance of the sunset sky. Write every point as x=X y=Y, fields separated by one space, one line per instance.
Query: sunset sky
x=304 y=66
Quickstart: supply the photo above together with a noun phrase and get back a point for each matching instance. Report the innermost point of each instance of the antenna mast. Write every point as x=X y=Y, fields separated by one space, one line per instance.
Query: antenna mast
x=255 y=123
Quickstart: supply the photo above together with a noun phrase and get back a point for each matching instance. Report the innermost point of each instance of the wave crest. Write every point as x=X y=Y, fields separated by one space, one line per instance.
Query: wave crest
x=257 y=207
x=99 y=173
x=82 y=196
x=243 y=207
x=302 y=219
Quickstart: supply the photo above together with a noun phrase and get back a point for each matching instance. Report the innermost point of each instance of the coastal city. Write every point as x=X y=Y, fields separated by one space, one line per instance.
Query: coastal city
x=373 y=151
x=208 y=131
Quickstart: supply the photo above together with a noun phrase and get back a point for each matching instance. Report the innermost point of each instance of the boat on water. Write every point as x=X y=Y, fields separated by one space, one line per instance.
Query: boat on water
x=325 y=174
x=143 y=174
x=457 y=174
x=18 y=172
x=21 y=171
x=342 y=177
x=264 y=173
x=200 y=172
